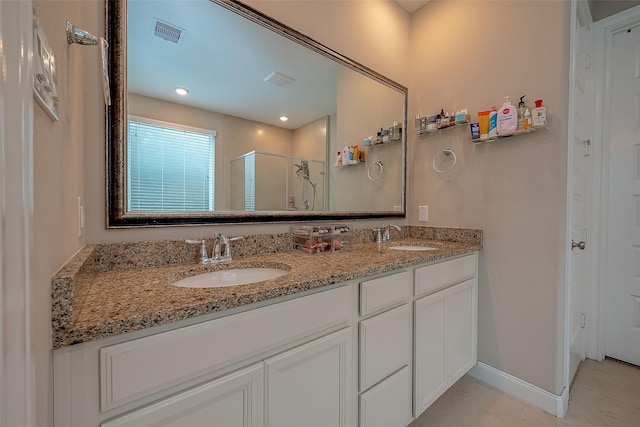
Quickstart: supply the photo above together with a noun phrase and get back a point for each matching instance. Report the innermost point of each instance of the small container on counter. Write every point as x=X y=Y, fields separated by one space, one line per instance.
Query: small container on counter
x=321 y=239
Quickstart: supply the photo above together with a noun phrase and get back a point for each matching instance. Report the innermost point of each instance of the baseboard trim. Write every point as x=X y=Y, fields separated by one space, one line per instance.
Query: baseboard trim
x=534 y=395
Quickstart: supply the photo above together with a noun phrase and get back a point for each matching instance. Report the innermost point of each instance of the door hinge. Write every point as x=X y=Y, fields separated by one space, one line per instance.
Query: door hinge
x=583 y=320
x=587 y=147
x=587 y=61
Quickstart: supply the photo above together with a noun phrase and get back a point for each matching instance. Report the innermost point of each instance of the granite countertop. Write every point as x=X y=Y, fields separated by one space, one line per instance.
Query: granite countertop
x=90 y=304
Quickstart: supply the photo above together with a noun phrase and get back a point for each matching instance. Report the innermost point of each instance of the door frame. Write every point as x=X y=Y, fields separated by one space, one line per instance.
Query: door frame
x=579 y=12
x=17 y=398
x=604 y=29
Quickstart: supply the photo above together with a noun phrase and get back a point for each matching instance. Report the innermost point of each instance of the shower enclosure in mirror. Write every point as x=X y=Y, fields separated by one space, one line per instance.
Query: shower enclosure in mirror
x=273 y=99
x=273 y=182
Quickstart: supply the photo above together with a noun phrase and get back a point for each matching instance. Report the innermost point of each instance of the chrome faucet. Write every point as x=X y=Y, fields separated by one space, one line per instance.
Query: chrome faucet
x=219 y=241
x=383 y=234
x=387 y=232
x=218 y=254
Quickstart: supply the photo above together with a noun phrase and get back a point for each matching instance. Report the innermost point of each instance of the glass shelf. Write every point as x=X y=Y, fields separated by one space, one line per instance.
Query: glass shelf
x=421 y=125
x=516 y=133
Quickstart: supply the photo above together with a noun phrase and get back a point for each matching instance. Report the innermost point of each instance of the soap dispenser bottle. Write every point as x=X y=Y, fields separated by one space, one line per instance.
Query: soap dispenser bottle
x=521 y=108
x=507 y=118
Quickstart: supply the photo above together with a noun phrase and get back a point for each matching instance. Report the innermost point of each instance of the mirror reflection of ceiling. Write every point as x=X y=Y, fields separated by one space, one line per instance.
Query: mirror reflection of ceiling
x=223 y=60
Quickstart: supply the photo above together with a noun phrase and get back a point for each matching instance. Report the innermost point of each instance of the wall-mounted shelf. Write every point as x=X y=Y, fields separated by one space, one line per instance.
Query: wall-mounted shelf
x=349 y=164
x=516 y=133
x=422 y=125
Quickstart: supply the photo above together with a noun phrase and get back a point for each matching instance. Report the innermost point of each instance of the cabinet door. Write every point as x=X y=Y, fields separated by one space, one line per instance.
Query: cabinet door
x=235 y=400
x=430 y=350
x=308 y=385
x=388 y=404
x=462 y=328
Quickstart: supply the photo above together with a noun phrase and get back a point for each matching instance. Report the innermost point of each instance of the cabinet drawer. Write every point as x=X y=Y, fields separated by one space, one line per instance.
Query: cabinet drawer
x=447 y=273
x=385 y=344
x=389 y=403
x=134 y=369
x=384 y=291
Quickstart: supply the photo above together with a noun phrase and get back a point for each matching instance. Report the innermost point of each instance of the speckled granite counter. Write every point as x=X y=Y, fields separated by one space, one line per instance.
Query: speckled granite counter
x=102 y=293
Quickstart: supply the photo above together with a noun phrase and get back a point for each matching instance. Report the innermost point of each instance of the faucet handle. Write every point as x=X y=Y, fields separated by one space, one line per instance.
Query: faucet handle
x=378 y=234
x=227 y=248
x=204 y=257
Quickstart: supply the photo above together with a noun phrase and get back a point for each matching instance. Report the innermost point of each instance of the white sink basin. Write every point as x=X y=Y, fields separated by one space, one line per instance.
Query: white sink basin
x=233 y=277
x=413 y=248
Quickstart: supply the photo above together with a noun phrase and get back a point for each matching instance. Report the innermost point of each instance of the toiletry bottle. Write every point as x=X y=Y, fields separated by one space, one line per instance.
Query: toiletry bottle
x=526 y=121
x=521 y=108
x=507 y=118
x=444 y=120
x=483 y=121
x=493 y=123
x=339 y=158
x=461 y=116
x=539 y=114
x=394 y=132
x=345 y=155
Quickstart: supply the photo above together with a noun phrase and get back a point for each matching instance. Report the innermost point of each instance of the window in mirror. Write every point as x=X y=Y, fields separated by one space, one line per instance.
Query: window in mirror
x=169 y=167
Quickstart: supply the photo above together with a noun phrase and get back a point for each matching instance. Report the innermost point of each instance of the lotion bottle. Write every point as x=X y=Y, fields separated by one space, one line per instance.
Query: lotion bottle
x=507 y=118
x=493 y=123
x=539 y=114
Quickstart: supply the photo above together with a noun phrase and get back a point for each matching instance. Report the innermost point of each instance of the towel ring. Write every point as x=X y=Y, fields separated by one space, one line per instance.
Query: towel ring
x=377 y=176
x=447 y=152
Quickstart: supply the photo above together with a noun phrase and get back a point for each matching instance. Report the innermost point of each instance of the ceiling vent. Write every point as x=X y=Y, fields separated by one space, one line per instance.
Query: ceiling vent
x=167 y=32
x=279 y=79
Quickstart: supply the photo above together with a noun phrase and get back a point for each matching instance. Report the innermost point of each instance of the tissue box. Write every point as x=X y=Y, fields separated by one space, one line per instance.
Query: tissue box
x=320 y=239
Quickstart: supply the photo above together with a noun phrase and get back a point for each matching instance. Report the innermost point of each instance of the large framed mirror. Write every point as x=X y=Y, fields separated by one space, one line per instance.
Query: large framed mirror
x=221 y=152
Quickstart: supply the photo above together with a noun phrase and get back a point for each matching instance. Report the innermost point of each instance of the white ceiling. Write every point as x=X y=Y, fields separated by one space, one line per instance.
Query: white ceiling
x=223 y=60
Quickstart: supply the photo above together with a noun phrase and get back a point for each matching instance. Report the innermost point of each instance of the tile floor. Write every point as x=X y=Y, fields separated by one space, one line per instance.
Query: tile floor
x=604 y=394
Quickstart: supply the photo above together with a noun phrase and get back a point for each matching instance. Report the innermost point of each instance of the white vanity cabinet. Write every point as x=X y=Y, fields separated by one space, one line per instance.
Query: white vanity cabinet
x=445 y=327
x=371 y=354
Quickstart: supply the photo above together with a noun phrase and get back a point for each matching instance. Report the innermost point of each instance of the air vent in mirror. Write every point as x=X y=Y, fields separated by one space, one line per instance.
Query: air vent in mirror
x=167 y=32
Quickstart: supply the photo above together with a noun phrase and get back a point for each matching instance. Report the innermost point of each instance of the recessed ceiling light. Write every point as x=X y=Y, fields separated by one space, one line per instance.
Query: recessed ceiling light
x=181 y=91
x=284 y=118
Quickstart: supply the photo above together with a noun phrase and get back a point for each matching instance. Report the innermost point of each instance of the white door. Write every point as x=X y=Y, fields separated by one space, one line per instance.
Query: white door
x=235 y=400
x=622 y=339
x=309 y=385
x=580 y=169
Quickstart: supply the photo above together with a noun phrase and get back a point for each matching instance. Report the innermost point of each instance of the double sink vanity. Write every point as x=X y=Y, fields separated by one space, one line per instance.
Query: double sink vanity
x=365 y=337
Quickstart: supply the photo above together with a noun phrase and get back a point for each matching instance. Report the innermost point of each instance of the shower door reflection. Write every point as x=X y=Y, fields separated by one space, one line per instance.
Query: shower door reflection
x=259 y=178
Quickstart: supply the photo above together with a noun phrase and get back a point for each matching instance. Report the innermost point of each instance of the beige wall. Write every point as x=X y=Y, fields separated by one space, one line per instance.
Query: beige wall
x=59 y=169
x=470 y=54
x=364 y=107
